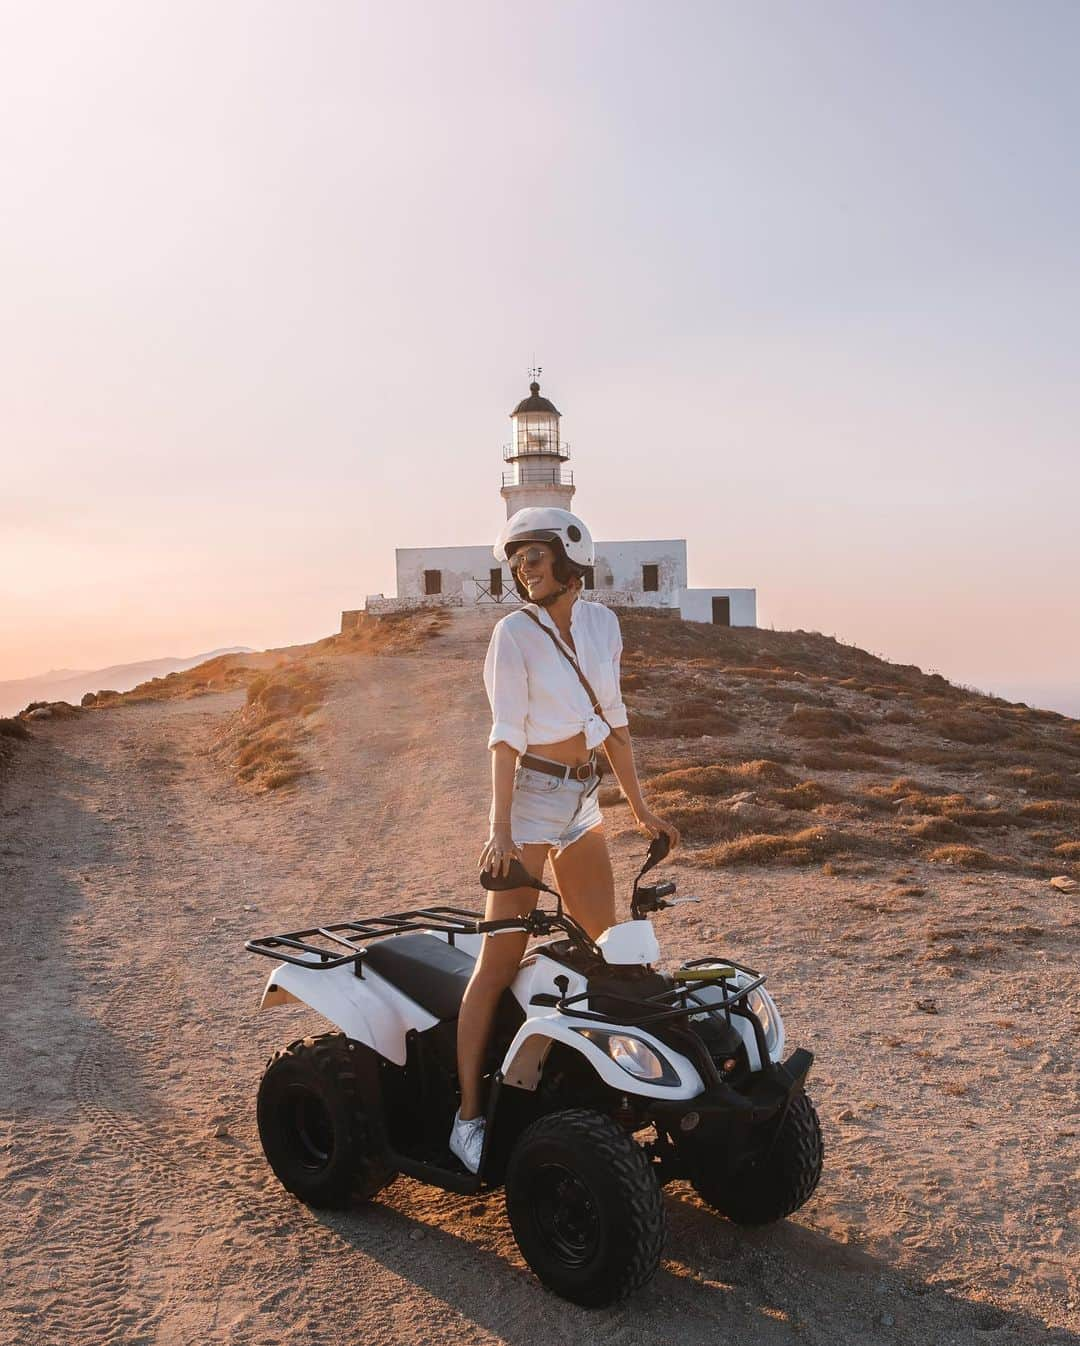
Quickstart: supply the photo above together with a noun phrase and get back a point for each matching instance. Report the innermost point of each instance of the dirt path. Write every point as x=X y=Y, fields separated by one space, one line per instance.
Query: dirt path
x=131 y=871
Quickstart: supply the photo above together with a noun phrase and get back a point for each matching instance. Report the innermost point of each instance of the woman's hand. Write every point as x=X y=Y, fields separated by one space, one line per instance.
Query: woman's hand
x=653 y=824
x=499 y=851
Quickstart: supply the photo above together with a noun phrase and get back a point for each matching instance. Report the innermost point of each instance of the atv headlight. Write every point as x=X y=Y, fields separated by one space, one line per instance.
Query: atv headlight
x=637 y=1058
x=762 y=1009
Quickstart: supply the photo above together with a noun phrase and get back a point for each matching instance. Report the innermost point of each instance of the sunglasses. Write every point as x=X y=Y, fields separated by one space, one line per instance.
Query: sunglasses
x=534 y=555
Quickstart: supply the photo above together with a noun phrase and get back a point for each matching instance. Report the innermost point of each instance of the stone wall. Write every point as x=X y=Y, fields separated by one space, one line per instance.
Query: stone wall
x=377 y=607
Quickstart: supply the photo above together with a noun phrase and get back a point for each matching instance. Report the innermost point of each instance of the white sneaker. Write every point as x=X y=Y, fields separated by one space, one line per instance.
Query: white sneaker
x=467 y=1140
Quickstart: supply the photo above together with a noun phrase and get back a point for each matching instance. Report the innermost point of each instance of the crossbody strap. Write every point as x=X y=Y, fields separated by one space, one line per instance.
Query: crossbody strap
x=593 y=698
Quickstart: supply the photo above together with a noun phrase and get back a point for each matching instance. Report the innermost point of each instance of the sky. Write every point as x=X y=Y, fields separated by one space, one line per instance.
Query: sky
x=804 y=281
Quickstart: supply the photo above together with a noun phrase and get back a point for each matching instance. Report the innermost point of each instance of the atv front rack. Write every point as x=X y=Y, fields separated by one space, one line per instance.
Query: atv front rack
x=322 y=947
x=679 y=1002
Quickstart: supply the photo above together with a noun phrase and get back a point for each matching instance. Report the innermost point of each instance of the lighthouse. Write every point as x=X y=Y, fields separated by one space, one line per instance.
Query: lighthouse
x=645 y=573
x=535 y=474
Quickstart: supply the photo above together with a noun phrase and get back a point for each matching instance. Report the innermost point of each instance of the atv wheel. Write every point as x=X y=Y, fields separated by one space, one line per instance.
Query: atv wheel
x=774 y=1182
x=585 y=1207
x=313 y=1123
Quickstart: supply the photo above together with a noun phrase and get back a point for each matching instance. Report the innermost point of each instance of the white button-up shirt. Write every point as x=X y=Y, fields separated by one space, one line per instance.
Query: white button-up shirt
x=535 y=695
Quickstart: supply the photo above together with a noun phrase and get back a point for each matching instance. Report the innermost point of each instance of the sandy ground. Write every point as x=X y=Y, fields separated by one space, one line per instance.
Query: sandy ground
x=132 y=869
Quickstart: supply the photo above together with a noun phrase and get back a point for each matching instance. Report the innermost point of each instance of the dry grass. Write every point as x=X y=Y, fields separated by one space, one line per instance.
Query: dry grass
x=970 y=728
x=221 y=674
x=719 y=780
x=1069 y=850
x=903 y=787
x=395 y=633
x=699 y=821
x=820 y=722
x=968 y=857
x=898 y=717
x=262 y=741
x=808 y=794
x=750 y=671
x=1058 y=810
x=806 y=847
x=938 y=829
x=879 y=755
x=871 y=747
x=1040 y=781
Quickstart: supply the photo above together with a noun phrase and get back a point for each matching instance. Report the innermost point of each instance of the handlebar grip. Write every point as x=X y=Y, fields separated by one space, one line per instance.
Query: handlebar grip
x=520 y=923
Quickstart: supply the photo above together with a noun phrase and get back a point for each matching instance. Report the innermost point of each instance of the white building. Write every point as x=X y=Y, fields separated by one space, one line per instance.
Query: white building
x=626 y=574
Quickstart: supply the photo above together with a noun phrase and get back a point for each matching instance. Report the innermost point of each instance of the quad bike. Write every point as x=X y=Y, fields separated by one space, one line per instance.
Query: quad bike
x=606 y=1079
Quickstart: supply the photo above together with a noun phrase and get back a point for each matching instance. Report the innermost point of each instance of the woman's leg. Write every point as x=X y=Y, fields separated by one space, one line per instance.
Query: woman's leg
x=495 y=969
x=583 y=873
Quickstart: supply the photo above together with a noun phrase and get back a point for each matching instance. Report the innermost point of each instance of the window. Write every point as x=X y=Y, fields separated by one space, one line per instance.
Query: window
x=495 y=582
x=650 y=579
x=590 y=578
x=433 y=581
x=721 y=611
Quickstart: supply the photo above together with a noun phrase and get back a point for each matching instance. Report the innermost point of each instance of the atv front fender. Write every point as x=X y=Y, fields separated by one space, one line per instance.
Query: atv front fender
x=523 y=1065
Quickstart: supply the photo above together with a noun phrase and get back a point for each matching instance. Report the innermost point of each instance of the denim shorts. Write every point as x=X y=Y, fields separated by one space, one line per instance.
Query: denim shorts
x=544 y=808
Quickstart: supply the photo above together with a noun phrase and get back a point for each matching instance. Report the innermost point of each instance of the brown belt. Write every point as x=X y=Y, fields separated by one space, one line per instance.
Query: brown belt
x=584 y=772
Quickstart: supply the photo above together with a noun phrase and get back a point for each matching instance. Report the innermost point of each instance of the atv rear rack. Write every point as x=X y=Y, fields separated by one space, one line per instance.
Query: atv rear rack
x=301 y=949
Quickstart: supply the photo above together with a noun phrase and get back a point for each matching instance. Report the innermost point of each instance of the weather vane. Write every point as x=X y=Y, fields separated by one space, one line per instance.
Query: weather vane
x=535 y=372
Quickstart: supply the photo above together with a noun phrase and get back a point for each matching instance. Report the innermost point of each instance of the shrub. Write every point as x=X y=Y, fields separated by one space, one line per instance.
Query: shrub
x=967 y=857
x=926 y=754
x=870 y=746
x=1039 y=782
x=713 y=722
x=1060 y=810
x=257 y=686
x=1069 y=849
x=903 y=786
x=698 y=821
x=718 y=780
x=937 y=804
x=12 y=728
x=794 y=848
x=751 y=671
x=970 y=728
x=765 y=769
x=938 y=829
x=808 y=794
x=820 y=722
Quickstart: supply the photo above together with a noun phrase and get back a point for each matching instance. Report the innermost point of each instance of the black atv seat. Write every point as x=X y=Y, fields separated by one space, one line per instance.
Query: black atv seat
x=425 y=968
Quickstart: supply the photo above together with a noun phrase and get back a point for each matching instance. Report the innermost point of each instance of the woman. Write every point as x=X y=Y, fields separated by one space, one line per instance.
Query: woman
x=543 y=767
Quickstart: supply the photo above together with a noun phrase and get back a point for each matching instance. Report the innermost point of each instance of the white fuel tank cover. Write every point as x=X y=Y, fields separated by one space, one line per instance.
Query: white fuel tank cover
x=629 y=942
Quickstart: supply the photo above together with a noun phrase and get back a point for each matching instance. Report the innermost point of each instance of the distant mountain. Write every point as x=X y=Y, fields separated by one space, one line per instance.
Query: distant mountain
x=69 y=684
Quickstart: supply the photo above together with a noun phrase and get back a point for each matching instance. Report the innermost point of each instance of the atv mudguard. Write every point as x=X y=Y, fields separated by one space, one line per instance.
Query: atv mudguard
x=523 y=1065
x=366 y=1009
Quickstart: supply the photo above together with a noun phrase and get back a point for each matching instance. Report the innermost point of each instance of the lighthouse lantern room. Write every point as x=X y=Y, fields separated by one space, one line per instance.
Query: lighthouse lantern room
x=535 y=474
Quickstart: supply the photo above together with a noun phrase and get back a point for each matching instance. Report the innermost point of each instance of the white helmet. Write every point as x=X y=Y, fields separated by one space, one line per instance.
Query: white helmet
x=543 y=523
